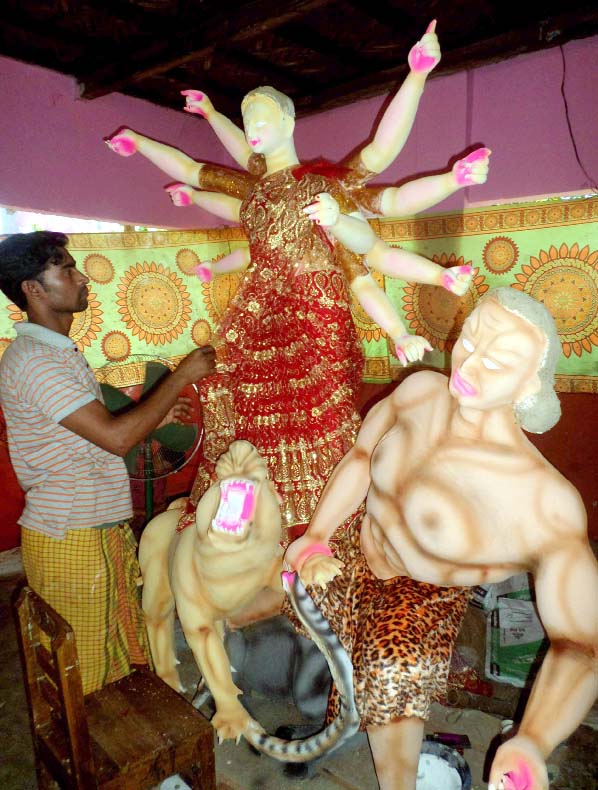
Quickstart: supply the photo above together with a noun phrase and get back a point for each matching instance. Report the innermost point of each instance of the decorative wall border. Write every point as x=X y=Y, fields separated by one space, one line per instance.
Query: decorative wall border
x=473 y=222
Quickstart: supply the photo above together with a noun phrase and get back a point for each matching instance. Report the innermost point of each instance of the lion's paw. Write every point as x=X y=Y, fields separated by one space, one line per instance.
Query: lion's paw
x=231 y=722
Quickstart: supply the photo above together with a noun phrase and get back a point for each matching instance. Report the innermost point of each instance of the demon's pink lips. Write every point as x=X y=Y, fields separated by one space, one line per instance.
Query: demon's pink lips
x=254 y=142
x=461 y=387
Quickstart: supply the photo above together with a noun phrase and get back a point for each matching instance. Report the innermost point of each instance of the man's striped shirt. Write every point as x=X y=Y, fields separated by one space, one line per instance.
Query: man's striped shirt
x=69 y=482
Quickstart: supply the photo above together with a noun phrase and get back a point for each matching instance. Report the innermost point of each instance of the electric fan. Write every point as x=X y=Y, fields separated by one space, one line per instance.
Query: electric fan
x=165 y=450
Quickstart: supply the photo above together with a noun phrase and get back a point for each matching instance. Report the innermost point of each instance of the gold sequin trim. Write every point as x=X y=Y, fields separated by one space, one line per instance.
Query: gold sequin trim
x=337 y=397
x=370 y=199
x=214 y=178
x=359 y=174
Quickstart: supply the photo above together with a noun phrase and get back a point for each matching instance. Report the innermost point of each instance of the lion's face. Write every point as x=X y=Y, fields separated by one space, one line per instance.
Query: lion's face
x=244 y=515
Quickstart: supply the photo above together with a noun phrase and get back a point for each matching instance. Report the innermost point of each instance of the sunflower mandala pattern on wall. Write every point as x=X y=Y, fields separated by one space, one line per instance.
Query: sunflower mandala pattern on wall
x=87 y=325
x=201 y=332
x=98 y=268
x=366 y=329
x=153 y=302
x=15 y=313
x=116 y=346
x=566 y=281
x=187 y=260
x=500 y=254
x=437 y=314
x=219 y=291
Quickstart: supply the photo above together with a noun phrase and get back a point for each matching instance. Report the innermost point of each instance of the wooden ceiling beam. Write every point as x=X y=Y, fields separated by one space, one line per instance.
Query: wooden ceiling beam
x=206 y=81
x=389 y=16
x=39 y=37
x=312 y=41
x=224 y=28
x=271 y=73
x=540 y=35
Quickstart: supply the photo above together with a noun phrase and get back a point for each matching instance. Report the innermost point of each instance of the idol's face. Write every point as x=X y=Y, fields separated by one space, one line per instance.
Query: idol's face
x=266 y=126
x=496 y=358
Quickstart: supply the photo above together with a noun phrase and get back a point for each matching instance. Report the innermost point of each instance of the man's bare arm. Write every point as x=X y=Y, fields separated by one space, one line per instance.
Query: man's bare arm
x=119 y=433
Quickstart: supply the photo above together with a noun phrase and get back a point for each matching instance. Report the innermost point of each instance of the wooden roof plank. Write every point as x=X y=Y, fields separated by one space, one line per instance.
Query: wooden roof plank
x=313 y=41
x=221 y=29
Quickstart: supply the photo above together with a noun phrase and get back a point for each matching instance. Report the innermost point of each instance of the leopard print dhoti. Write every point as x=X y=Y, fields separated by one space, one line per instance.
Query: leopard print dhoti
x=399 y=633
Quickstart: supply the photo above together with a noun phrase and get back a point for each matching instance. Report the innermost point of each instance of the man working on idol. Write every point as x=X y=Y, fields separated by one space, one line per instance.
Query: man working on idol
x=78 y=550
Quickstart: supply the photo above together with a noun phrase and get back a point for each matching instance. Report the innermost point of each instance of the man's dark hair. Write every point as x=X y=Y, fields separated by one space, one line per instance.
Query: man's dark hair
x=24 y=256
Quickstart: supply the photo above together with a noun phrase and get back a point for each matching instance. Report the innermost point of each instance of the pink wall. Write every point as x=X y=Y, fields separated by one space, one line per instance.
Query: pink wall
x=53 y=158
x=514 y=107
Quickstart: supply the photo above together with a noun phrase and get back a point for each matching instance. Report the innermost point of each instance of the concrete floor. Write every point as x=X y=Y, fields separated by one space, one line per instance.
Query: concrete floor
x=573 y=766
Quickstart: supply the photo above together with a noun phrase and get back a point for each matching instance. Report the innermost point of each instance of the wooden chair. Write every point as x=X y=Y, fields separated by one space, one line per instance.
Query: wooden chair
x=131 y=734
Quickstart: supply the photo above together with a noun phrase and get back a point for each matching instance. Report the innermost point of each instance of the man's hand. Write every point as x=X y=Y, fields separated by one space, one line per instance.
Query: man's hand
x=324 y=211
x=197 y=103
x=123 y=142
x=197 y=365
x=180 y=413
x=425 y=55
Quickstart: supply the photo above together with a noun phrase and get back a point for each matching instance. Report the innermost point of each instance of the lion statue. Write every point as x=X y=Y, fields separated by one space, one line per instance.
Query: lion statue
x=208 y=572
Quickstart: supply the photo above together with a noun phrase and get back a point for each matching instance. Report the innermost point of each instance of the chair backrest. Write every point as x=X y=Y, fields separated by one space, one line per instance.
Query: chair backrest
x=54 y=691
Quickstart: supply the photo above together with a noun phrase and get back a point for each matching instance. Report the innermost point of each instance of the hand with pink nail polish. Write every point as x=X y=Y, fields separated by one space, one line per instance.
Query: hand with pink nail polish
x=123 y=142
x=180 y=194
x=456 y=279
x=197 y=103
x=472 y=169
x=411 y=348
x=204 y=271
x=425 y=55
